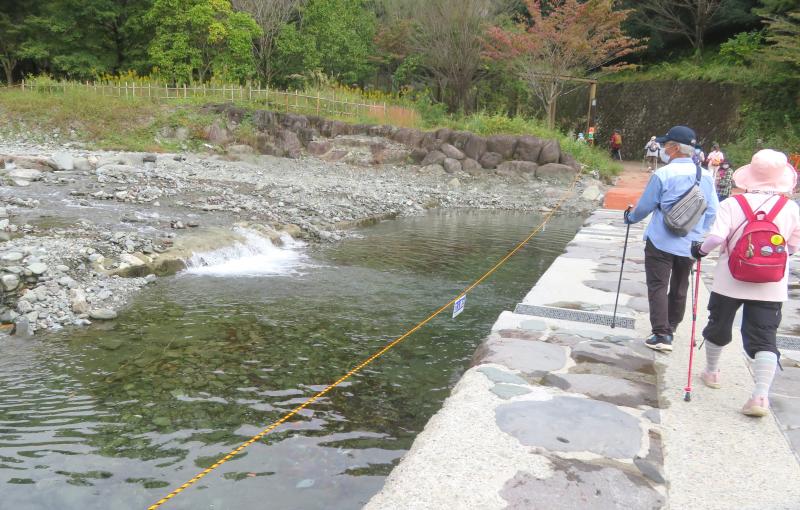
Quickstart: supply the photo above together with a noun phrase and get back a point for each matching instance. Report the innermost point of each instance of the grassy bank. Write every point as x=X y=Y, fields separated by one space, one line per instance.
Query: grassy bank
x=120 y=123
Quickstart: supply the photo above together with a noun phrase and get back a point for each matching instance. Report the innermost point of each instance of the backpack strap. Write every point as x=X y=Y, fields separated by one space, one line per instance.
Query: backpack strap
x=748 y=212
x=776 y=208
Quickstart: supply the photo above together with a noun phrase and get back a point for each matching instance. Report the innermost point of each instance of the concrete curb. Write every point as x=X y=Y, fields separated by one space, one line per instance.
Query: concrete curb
x=558 y=414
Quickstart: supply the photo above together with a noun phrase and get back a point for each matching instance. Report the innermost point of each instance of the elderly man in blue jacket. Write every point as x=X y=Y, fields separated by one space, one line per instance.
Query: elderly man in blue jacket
x=667 y=257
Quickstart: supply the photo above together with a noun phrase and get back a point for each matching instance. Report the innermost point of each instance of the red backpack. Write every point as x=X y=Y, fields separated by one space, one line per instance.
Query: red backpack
x=760 y=255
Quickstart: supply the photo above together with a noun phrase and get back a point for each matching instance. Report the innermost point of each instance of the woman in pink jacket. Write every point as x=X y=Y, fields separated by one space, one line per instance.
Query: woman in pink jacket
x=765 y=179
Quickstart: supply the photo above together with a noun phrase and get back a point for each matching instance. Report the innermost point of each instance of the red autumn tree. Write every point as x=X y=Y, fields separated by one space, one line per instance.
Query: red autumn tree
x=568 y=38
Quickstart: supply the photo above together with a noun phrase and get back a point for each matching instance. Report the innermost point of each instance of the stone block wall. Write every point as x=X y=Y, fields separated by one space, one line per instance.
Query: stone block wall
x=288 y=135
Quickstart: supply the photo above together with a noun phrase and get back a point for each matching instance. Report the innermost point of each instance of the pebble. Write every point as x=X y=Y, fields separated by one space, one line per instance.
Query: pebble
x=37 y=268
x=12 y=256
x=10 y=282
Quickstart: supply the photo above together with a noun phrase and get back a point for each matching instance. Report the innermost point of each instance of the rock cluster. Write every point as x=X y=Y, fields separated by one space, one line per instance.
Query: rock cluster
x=45 y=286
x=288 y=135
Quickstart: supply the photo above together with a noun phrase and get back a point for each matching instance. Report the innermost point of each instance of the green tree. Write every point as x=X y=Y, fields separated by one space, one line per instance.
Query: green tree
x=13 y=34
x=343 y=32
x=195 y=38
x=295 y=57
x=84 y=38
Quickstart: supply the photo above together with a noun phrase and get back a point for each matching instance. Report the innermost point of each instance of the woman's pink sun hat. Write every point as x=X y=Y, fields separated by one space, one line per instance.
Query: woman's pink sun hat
x=769 y=170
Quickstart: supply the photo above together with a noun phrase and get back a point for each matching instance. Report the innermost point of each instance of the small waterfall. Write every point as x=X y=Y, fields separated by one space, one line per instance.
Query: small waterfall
x=256 y=256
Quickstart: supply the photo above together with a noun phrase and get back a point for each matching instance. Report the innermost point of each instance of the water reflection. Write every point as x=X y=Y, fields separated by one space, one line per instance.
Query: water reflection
x=110 y=416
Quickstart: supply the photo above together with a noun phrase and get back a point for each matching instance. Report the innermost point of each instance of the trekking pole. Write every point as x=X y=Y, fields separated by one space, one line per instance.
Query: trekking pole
x=695 y=291
x=621 y=266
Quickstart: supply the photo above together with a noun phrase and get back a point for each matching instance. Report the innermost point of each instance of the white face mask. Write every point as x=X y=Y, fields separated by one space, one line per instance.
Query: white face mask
x=663 y=155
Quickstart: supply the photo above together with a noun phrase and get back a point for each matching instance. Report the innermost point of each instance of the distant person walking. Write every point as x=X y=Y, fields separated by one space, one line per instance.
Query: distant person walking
x=724 y=181
x=752 y=270
x=714 y=159
x=616 y=145
x=667 y=256
x=651 y=153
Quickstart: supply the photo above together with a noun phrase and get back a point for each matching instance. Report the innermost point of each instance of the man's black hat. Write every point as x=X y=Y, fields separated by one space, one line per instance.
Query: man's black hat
x=680 y=134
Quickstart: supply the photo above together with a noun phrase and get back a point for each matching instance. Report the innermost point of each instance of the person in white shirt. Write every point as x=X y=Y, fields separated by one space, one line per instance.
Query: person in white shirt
x=651 y=153
x=714 y=160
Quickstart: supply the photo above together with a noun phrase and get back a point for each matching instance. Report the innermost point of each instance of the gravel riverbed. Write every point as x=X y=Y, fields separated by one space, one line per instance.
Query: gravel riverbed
x=81 y=231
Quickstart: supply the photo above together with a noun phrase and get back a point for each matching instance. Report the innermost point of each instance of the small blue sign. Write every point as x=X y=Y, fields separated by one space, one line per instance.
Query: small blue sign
x=458 y=306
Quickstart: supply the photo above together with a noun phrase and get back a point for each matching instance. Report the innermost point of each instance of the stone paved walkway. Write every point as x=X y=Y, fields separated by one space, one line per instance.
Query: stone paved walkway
x=558 y=414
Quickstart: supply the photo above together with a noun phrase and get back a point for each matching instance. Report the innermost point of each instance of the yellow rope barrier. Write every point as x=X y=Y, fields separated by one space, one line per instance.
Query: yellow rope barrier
x=367 y=361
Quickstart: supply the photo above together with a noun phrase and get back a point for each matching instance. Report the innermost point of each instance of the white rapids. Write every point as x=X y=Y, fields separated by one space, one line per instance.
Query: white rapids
x=256 y=256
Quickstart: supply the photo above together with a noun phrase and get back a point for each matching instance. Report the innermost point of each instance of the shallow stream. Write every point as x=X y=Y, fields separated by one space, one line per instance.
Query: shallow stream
x=116 y=415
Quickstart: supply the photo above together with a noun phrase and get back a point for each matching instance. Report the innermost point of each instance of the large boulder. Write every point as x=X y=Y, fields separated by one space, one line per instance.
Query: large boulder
x=444 y=134
x=429 y=141
x=407 y=136
x=452 y=152
x=459 y=139
x=432 y=169
x=528 y=149
x=451 y=165
x=418 y=154
x=25 y=174
x=475 y=147
x=319 y=147
x=265 y=145
x=264 y=119
x=30 y=162
x=472 y=167
x=294 y=122
x=63 y=161
x=82 y=165
x=509 y=168
x=551 y=152
x=289 y=143
x=556 y=172
x=490 y=160
x=502 y=144
x=433 y=158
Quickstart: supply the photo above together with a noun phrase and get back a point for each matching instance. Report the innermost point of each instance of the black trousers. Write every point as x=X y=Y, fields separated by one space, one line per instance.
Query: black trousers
x=667 y=283
x=760 y=321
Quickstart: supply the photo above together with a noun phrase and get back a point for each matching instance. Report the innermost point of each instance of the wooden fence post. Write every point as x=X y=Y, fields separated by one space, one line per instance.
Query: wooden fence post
x=185 y=94
x=23 y=84
x=286 y=99
x=318 y=103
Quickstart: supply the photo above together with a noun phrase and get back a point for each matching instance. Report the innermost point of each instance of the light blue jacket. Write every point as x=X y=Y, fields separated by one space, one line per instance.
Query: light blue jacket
x=666 y=187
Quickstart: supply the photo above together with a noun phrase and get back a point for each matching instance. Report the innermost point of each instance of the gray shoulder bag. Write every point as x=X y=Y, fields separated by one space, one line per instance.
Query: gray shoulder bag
x=686 y=213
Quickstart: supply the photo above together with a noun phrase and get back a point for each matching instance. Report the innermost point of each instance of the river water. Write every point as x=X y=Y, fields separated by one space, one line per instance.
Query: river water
x=118 y=414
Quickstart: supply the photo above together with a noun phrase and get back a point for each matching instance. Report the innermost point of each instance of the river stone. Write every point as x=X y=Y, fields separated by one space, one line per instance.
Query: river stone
x=10 y=282
x=551 y=153
x=571 y=424
x=621 y=392
x=502 y=144
x=110 y=344
x=490 y=160
x=418 y=154
x=3 y=212
x=118 y=171
x=433 y=158
x=531 y=358
x=475 y=147
x=451 y=165
x=37 y=268
x=578 y=484
x=103 y=314
x=78 y=302
x=24 y=306
x=23 y=328
x=319 y=147
x=11 y=256
x=472 y=167
x=528 y=149
x=63 y=161
x=556 y=172
x=82 y=165
x=25 y=174
x=612 y=354
x=500 y=376
x=452 y=152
